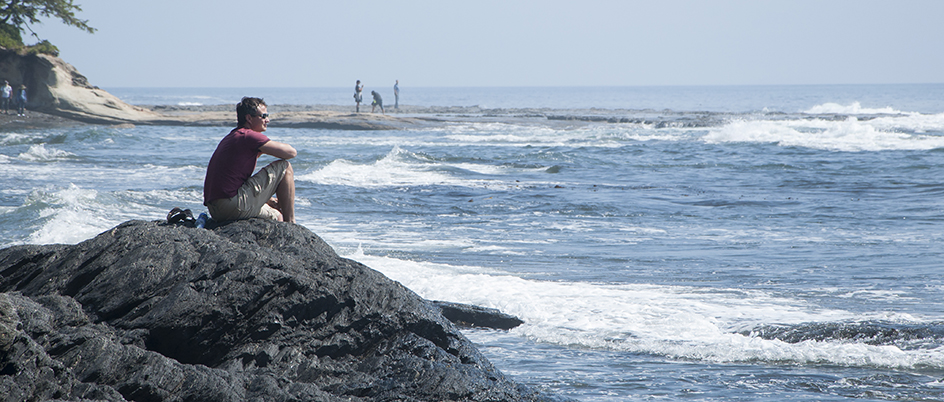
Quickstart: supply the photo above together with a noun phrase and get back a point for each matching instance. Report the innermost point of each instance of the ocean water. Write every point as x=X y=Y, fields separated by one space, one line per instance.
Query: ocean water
x=779 y=242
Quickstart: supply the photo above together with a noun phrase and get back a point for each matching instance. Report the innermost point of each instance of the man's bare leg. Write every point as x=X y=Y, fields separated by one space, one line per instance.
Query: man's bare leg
x=286 y=195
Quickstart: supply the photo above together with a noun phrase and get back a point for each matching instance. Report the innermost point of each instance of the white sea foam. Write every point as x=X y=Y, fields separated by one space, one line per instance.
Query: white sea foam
x=479 y=168
x=850 y=135
x=391 y=170
x=73 y=214
x=383 y=235
x=873 y=294
x=503 y=134
x=503 y=139
x=854 y=108
x=14 y=138
x=917 y=123
x=39 y=153
x=397 y=168
x=643 y=231
x=191 y=197
x=676 y=321
x=69 y=215
x=496 y=249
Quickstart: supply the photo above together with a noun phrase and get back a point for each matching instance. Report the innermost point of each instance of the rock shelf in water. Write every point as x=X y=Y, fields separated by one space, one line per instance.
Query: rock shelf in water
x=252 y=310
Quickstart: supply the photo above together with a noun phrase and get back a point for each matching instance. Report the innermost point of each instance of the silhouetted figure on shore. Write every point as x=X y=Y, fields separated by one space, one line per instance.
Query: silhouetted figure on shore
x=21 y=102
x=6 y=96
x=358 y=98
x=378 y=101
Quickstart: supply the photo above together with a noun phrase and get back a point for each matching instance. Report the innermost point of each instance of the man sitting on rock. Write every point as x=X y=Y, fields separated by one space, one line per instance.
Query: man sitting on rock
x=230 y=190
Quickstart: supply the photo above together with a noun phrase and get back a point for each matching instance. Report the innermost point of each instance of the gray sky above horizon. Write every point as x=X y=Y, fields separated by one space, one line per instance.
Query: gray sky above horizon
x=304 y=43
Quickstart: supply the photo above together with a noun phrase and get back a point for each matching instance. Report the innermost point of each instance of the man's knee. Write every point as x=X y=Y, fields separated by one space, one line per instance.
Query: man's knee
x=289 y=171
x=288 y=176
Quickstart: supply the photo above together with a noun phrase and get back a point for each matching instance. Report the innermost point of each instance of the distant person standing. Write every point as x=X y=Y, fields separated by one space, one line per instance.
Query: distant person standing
x=396 y=95
x=6 y=94
x=358 y=98
x=21 y=102
x=378 y=101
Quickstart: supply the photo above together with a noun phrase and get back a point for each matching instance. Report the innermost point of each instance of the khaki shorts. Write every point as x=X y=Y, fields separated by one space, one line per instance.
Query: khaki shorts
x=250 y=201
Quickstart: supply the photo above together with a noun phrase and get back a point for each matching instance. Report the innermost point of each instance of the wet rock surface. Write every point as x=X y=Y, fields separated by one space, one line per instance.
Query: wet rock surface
x=251 y=310
x=475 y=316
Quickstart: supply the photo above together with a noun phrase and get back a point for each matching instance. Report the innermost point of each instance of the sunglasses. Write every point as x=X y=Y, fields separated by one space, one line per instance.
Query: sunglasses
x=264 y=115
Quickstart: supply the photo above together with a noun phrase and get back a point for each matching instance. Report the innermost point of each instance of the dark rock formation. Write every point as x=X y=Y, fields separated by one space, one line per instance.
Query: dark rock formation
x=249 y=311
x=475 y=316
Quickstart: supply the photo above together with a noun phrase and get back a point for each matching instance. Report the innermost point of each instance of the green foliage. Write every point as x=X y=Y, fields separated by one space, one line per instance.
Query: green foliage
x=21 y=14
x=10 y=37
x=43 y=47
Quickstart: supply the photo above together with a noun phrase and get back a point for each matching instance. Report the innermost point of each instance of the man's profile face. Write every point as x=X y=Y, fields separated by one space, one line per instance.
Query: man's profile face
x=256 y=120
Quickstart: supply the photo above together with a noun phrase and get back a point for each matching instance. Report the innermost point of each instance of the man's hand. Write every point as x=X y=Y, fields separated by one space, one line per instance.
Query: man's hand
x=274 y=203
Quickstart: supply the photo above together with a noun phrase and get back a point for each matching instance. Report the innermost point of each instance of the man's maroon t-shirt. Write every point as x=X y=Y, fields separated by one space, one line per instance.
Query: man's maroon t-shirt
x=232 y=163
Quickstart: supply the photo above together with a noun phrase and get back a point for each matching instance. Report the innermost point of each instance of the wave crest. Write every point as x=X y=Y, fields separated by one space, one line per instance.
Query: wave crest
x=850 y=135
x=855 y=108
x=39 y=153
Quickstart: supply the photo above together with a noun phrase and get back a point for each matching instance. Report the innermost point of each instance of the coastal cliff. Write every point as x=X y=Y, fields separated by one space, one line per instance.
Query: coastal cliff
x=57 y=88
x=252 y=310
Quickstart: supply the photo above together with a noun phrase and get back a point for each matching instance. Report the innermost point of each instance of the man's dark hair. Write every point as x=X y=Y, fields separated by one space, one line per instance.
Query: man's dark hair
x=247 y=106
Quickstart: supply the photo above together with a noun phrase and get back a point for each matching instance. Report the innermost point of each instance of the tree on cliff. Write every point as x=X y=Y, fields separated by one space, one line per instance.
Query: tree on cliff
x=16 y=16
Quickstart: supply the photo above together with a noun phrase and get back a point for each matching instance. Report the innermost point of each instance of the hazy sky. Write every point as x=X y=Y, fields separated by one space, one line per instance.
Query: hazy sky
x=305 y=43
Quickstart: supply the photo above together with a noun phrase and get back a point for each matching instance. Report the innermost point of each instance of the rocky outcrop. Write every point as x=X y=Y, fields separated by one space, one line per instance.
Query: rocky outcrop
x=475 y=316
x=56 y=87
x=252 y=310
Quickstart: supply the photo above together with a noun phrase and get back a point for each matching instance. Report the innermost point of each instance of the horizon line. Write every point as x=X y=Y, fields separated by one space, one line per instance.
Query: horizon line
x=539 y=86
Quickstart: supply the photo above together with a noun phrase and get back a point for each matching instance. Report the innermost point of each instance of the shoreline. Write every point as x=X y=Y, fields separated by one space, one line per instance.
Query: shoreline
x=36 y=120
x=287 y=116
x=342 y=117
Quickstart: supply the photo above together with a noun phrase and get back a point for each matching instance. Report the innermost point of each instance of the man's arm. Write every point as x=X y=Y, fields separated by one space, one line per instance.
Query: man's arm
x=278 y=149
